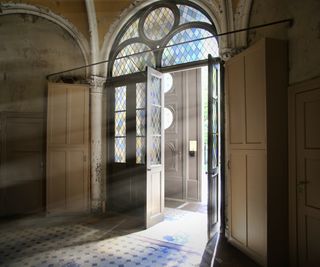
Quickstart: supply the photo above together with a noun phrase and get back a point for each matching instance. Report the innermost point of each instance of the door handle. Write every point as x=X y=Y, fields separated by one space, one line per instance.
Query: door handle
x=148 y=169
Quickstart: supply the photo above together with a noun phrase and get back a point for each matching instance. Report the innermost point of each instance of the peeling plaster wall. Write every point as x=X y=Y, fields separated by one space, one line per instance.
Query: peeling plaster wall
x=73 y=10
x=107 y=12
x=303 y=37
x=31 y=47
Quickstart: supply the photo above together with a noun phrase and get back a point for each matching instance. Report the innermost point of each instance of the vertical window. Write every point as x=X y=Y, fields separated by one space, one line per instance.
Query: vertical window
x=155 y=127
x=140 y=122
x=120 y=124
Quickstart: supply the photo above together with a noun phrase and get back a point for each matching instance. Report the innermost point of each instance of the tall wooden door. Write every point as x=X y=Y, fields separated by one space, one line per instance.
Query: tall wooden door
x=22 y=161
x=308 y=176
x=68 y=148
x=174 y=134
x=155 y=149
x=213 y=145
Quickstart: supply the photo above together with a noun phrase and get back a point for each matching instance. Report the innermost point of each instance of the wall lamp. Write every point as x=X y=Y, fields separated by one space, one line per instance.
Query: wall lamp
x=192 y=148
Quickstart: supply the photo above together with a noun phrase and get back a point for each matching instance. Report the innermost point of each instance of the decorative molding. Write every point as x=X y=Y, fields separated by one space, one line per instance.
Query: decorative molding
x=18 y=8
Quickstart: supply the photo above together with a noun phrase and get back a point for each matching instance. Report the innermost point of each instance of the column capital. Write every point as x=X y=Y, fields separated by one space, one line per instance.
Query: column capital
x=97 y=84
x=227 y=53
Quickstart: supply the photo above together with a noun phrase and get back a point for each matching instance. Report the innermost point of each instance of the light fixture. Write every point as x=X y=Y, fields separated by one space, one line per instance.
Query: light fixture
x=192 y=148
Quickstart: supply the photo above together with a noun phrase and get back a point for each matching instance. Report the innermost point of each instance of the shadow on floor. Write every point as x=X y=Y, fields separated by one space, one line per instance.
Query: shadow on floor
x=226 y=254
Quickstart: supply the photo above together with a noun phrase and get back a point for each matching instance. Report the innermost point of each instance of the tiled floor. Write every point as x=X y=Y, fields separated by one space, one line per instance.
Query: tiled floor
x=91 y=241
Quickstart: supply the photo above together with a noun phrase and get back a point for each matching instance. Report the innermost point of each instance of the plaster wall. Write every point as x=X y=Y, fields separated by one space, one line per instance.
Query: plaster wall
x=303 y=38
x=73 y=10
x=31 y=47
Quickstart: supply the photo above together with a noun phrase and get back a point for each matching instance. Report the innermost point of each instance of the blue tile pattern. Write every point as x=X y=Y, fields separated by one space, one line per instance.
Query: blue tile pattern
x=77 y=244
x=158 y=23
x=189 y=52
x=190 y=14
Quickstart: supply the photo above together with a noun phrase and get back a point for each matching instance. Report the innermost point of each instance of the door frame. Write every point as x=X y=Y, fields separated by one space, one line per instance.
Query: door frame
x=293 y=91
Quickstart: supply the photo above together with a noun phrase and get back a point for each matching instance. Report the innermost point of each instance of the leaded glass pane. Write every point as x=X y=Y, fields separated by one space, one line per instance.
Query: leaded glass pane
x=131 y=32
x=155 y=155
x=140 y=150
x=158 y=23
x=215 y=151
x=189 y=52
x=156 y=120
x=120 y=150
x=215 y=117
x=135 y=63
x=140 y=95
x=140 y=122
x=190 y=14
x=120 y=98
x=120 y=123
x=155 y=91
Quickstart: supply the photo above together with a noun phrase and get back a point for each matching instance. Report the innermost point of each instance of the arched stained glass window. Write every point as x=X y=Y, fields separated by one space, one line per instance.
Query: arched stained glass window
x=163 y=34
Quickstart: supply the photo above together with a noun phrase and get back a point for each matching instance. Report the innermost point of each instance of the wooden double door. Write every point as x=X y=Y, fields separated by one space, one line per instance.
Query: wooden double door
x=135 y=180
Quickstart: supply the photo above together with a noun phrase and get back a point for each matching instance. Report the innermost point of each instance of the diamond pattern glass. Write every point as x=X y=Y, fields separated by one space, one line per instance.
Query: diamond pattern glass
x=155 y=90
x=158 y=23
x=120 y=150
x=131 y=32
x=140 y=150
x=190 y=14
x=140 y=95
x=155 y=155
x=189 y=52
x=135 y=63
x=120 y=98
x=156 y=120
x=120 y=124
x=140 y=122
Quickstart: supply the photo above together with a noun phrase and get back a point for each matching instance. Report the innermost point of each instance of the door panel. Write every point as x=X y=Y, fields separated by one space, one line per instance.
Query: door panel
x=213 y=145
x=174 y=156
x=68 y=148
x=155 y=149
x=308 y=176
x=238 y=196
x=22 y=159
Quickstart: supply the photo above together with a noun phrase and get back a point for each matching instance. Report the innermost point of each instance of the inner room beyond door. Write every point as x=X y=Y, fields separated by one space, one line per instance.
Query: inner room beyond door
x=135 y=183
x=183 y=104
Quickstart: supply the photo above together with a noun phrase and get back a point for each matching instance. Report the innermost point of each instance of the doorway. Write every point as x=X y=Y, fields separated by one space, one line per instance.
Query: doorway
x=186 y=123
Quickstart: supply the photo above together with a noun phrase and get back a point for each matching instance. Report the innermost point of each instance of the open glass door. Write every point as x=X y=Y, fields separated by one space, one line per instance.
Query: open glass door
x=135 y=183
x=155 y=149
x=213 y=146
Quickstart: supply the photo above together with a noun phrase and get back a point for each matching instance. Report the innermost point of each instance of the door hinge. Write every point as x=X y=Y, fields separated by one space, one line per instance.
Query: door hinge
x=229 y=165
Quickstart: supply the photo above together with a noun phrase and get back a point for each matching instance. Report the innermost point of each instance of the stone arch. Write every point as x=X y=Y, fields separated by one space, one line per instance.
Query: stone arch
x=19 y=8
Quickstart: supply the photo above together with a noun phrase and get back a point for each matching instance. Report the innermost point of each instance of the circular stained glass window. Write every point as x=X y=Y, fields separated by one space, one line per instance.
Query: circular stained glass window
x=158 y=23
x=167 y=82
x=168 y=118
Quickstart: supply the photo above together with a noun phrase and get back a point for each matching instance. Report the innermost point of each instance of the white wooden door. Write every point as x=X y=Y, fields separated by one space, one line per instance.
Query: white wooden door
x=155 y=149
x=68 y=148
x=308 y=176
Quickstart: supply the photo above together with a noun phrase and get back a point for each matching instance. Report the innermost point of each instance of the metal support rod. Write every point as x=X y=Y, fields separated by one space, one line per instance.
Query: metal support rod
x=290 y=21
